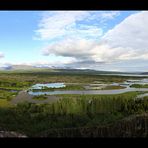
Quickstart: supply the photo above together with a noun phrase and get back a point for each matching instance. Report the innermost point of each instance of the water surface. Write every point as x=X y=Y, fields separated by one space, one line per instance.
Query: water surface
x=117 y=91
x=49 y=85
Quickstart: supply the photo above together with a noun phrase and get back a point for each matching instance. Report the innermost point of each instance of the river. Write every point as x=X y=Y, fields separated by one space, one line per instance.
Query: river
x=117 y=91
x=126 y=84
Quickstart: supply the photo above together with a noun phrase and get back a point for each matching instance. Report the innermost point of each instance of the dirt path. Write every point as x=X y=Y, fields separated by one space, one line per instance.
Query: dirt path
x=24 y=96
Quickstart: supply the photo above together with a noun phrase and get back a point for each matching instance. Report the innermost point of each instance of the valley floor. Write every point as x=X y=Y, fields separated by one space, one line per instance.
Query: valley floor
x=70 y=115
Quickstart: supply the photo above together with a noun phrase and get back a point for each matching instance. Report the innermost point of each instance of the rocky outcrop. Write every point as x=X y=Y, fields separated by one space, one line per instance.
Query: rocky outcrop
x=11 y=134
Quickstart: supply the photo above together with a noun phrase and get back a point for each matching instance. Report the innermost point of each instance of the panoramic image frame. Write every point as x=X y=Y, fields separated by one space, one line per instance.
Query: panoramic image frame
x=73 y=74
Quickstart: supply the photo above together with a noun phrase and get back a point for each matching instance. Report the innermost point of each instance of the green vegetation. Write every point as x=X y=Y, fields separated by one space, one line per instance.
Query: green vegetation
x=13 y=85
x=113 y=87
x=8 y=95
x=132 y=126
x=5 y=97
x=5 y=103
x=72 y=111
x=40 y=97
x=139 y=85
x=33 y=77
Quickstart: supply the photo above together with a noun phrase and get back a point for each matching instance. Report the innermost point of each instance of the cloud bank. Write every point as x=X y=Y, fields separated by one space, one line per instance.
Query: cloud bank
x=127 y=41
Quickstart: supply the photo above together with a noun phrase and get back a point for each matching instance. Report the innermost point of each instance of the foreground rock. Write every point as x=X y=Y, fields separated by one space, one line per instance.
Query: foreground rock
x=11 y=134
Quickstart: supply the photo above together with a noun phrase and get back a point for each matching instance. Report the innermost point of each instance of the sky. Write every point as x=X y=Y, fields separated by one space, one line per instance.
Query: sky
x=100 y=40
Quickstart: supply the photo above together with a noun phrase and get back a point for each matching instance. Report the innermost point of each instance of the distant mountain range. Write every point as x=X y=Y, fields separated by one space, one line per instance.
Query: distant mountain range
x=60 y=69
x=144 y=73
x=22 y=67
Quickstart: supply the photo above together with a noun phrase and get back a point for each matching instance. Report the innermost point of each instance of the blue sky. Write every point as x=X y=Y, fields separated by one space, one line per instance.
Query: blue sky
x=102 y=40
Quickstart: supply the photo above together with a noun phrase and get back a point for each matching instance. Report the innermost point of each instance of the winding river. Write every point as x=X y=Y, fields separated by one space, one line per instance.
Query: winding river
x=117 y=91
x=27 y=95
x=126 y=84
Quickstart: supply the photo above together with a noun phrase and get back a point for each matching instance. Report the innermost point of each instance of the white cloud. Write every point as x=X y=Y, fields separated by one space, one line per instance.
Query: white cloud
x=1 y=55
x=69 y=23
x=130 y=36
x=125 y=41
x=110 y=15
x=104 y=16
x=133 y=28
x=57 y=62
x=59 y=23
x=70 y=47
x=84 y=49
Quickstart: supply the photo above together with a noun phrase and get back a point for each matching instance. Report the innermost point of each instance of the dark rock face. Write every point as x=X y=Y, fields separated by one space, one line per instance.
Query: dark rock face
x=11 y=134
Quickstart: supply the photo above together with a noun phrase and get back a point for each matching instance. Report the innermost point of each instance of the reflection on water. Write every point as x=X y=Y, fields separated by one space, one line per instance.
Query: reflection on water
x=49 y=85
